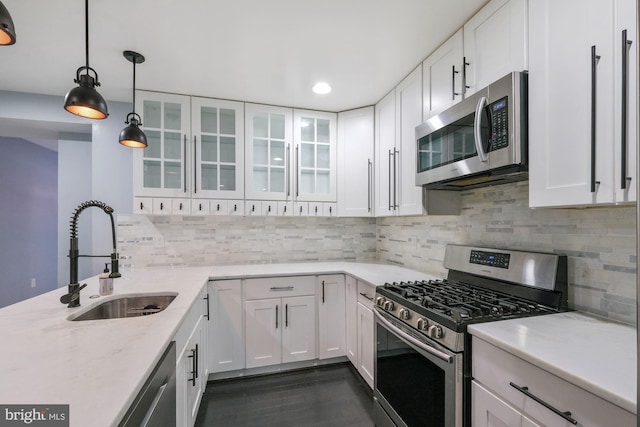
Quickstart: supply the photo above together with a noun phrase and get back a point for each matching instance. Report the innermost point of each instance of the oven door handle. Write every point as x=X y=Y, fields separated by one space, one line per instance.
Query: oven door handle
x=437 y=353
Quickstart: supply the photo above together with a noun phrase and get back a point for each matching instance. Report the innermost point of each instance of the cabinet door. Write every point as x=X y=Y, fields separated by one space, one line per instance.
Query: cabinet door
x=161 y=169
x=351 y=309
x=315 y=156
x=331 y=316
x=191 y=364
x=495 y=42
x=442 y=77
x=365 y=343
x=226 y=341
x=408 y=116
x=560 y=103
x=625 y=92
x=386 y=153
x=263 y=328
x=268 y=132
x=491 y=411
x=298 y=320
x=218 y=148
x=355 y=162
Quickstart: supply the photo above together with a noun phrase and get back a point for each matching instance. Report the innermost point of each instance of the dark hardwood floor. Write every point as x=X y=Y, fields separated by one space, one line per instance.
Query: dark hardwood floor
x=328 y=396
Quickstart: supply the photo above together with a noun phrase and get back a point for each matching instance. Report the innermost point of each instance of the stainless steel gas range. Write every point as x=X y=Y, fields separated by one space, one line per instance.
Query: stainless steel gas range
x=423 y=352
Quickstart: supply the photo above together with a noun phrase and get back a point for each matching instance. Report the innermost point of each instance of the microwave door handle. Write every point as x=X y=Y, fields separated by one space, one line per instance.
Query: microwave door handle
x=477 y=134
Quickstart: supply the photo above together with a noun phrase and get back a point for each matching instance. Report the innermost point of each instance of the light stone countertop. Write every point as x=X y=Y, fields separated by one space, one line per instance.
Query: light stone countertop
x=98 y=367
x=591 y=353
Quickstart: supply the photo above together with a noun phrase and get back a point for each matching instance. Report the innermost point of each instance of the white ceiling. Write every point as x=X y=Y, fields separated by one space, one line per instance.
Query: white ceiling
x=266 y=51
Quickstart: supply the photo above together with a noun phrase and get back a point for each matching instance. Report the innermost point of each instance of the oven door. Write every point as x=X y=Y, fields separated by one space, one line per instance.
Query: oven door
x=417 y=381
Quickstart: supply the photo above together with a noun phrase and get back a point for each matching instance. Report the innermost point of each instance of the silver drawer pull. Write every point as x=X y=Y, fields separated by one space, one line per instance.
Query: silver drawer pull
x=525 y=390
x=282 y=288
x=366 y=296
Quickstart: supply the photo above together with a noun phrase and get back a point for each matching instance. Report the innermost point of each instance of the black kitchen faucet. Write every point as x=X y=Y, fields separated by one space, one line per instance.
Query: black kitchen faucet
x=72 y=299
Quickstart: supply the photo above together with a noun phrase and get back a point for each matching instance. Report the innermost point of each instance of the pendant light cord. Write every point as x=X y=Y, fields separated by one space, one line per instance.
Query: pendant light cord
x=134 y=85
x=86 y=32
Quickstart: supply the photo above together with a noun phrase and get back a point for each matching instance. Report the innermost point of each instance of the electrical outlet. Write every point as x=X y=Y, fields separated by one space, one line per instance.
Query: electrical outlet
x=33 y=282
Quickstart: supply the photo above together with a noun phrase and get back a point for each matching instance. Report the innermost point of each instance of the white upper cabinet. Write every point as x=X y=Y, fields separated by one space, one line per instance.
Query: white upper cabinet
x=442 y=76
x=269 y=136
x=397 y=115
x=218 y=148
x=495 y=43
x=160 y=170
x=355 y=162
x=315 y=156
x=577 y=122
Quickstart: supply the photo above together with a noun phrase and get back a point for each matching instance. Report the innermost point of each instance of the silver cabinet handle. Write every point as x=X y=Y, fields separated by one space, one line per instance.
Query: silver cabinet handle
x=425 y=347
x=395 y=179
x=624 y=179
x=464 y=76
x=477 y=133
x=453 y=83
x=366 y=296
x=525 y=390
x=195 y=165
x=281 y=288
x=208 y=315
x=369 y=185
x=594 y=62
x=287 y=166
x=297 y=173
x=390 y=180
x=184 y=162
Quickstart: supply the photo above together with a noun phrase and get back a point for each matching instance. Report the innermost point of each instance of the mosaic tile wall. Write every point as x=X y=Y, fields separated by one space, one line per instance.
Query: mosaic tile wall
x=599 y=242
x=226 y=240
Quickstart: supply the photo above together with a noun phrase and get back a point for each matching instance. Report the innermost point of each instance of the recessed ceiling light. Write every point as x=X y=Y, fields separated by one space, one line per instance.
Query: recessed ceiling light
x=321 y=88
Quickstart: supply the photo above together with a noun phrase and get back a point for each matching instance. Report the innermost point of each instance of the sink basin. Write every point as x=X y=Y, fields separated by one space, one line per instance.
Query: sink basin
x=126 y=306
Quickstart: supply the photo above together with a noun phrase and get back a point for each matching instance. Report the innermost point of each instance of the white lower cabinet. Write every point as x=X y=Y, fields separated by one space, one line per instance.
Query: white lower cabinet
x=191 y=362
x=280 y=320
x=351 y=289
x=226 y=338
x=508 y=391
x=365 y=343
x=331 y=316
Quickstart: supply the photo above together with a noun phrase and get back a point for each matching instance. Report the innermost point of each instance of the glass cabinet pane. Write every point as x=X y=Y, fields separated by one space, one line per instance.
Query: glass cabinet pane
x=227 y=149
x=227 y=121
x=209 y=119
x=154 y=144
x=322 y=182
x=227 y=178
x=307 y=129
x=209 y=177
x=152 y=173
x=260 y=178
x=307 y=156
x=152 y=113
x=277 y=126
x=277 y=180
x=260 y=152
x=307 y=182
x=324 y=133
x=323 y=157
x=172 y=175
x=209 y=148
x=172 y=145
x=277 y=153
x=261 y=125
x=172 y=116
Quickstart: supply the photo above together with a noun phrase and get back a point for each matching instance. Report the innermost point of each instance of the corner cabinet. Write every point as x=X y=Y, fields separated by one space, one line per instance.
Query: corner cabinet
x=396 y=117
x=355 y=162
x=582 y=103
x=195 y=151
x=331 y=316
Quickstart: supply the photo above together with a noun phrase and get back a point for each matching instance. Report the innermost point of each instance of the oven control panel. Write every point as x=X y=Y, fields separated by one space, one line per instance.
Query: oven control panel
x=491 y=259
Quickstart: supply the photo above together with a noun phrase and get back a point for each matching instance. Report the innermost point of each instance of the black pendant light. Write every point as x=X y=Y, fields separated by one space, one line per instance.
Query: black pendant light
x=7 y=30
x=132 y=136
x=84 y=100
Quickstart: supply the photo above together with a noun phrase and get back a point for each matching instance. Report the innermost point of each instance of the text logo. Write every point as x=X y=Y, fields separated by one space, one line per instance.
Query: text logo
x=34 y=415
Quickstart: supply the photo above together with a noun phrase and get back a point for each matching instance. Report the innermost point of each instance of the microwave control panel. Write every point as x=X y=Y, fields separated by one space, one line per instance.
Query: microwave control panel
x=499 y=121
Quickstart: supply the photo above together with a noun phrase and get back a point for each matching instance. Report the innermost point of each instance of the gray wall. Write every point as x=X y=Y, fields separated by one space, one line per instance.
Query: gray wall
x=106 y=175
x=28 y=219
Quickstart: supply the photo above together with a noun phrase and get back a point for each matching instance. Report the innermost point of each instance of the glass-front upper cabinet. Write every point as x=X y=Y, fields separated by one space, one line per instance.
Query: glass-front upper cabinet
x=160 y=169
x=268 y=133
x=315 y=156
x=218 y=148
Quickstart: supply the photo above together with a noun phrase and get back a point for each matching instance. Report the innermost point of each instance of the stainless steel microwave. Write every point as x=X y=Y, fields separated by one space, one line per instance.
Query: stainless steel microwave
x=480 y=141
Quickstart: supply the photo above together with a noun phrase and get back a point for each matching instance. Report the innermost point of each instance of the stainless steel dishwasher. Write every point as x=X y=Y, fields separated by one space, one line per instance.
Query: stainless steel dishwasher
x=155 y=405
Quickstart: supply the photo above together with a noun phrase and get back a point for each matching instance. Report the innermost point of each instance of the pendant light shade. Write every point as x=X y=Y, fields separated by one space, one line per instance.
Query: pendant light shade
x=132 y=136
x=7 y=30
x=84 y=100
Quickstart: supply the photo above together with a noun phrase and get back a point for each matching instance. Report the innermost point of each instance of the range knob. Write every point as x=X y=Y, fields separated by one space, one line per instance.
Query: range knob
x=380 y=301
x=389 y=305
x=435 y=331
x=404 y=314
x=423 y=324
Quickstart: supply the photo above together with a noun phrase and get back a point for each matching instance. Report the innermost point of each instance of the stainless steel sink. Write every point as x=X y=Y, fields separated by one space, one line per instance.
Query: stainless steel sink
x=126 y=306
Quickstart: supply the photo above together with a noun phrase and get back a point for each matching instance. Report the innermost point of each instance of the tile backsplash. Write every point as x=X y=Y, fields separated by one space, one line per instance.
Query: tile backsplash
x=599 y=242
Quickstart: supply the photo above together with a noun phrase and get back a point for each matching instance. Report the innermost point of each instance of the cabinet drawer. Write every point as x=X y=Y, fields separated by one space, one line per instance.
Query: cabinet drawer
x=496 y=370
x=279 y=287
x=366 y=293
